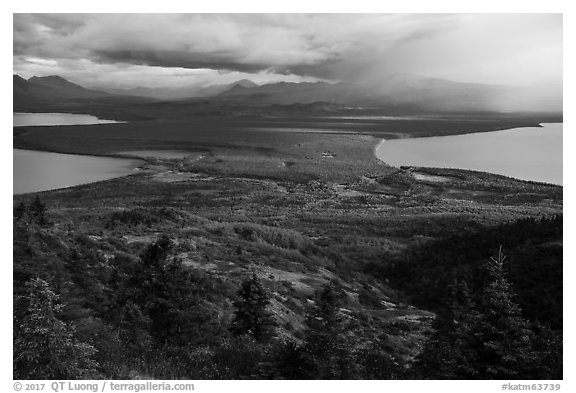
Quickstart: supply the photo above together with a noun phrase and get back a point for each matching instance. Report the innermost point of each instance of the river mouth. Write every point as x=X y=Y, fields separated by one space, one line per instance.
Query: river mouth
x=531 y=153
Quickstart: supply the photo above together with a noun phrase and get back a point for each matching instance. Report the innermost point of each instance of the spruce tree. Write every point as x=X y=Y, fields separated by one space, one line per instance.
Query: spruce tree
x=178 y=312
x=165 y=295
x=504 y=339
x=324 y=320
x=45 y=347
x=326 y=342
x=251 y=316
x=490 y=340
x=156 y=253
x=38 y=211
x=448 y=353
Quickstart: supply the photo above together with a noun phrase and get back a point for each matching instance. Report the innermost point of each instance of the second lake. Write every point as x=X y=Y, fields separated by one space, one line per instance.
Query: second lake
x=531 y=153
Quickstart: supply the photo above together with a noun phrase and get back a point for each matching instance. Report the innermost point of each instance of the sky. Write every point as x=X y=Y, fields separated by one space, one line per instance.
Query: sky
x=172 y=50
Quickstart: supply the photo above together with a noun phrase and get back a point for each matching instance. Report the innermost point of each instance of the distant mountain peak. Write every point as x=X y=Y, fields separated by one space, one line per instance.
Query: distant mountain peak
x=241 y=85
x=236 y=88
x=48 y=78
x=52 y=90
x=54 y=81
x=246 y=83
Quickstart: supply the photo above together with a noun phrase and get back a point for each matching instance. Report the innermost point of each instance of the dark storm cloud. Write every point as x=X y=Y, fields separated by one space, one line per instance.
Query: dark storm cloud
x=490 y=48
x=176 y=59
x=37 y=33
x=246 y=43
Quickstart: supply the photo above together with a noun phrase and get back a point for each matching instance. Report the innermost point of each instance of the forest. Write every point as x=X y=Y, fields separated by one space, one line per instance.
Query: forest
x=79 y=314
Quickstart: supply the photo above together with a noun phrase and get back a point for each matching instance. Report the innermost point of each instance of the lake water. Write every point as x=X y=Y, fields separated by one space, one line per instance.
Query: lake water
x=41 y=171
x=56 y=119
x=530 y=153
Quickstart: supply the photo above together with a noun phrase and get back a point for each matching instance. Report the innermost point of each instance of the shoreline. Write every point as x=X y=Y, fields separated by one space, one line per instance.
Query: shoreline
x=95 y=155
x=382 y=141
x=132 y=164
x=97 y=119
x=356 y=151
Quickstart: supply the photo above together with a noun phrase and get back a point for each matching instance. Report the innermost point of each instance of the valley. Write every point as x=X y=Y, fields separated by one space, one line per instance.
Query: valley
x=296 y=209
x=289 y=198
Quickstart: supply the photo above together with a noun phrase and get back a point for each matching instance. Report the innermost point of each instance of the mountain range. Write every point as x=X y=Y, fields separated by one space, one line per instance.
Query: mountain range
x=182 y=92
x=403 y=92
x=50 y=88
x=397 y=92
x=50 y=91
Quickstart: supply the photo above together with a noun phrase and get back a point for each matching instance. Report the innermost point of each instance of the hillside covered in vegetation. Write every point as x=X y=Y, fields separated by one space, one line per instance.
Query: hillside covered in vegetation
x=299 y=264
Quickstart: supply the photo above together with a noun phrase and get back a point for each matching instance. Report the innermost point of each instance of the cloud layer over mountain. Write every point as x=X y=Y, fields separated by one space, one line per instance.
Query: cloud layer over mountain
x=123 y=50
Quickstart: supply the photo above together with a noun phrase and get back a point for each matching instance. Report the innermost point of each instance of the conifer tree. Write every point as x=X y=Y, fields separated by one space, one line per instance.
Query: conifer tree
x=167 y=299
x=448 y=353
x=38 y=211
x=324 y=320
x=326 y=342
x=488 y=341
x=251 y=316
x=156 y=253
x=504 y=339
x=45 y=347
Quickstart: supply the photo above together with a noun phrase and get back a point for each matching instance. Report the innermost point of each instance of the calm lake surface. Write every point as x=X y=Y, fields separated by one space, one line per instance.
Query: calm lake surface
x=530 y=153
x=41 y=171
x=56 y=119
